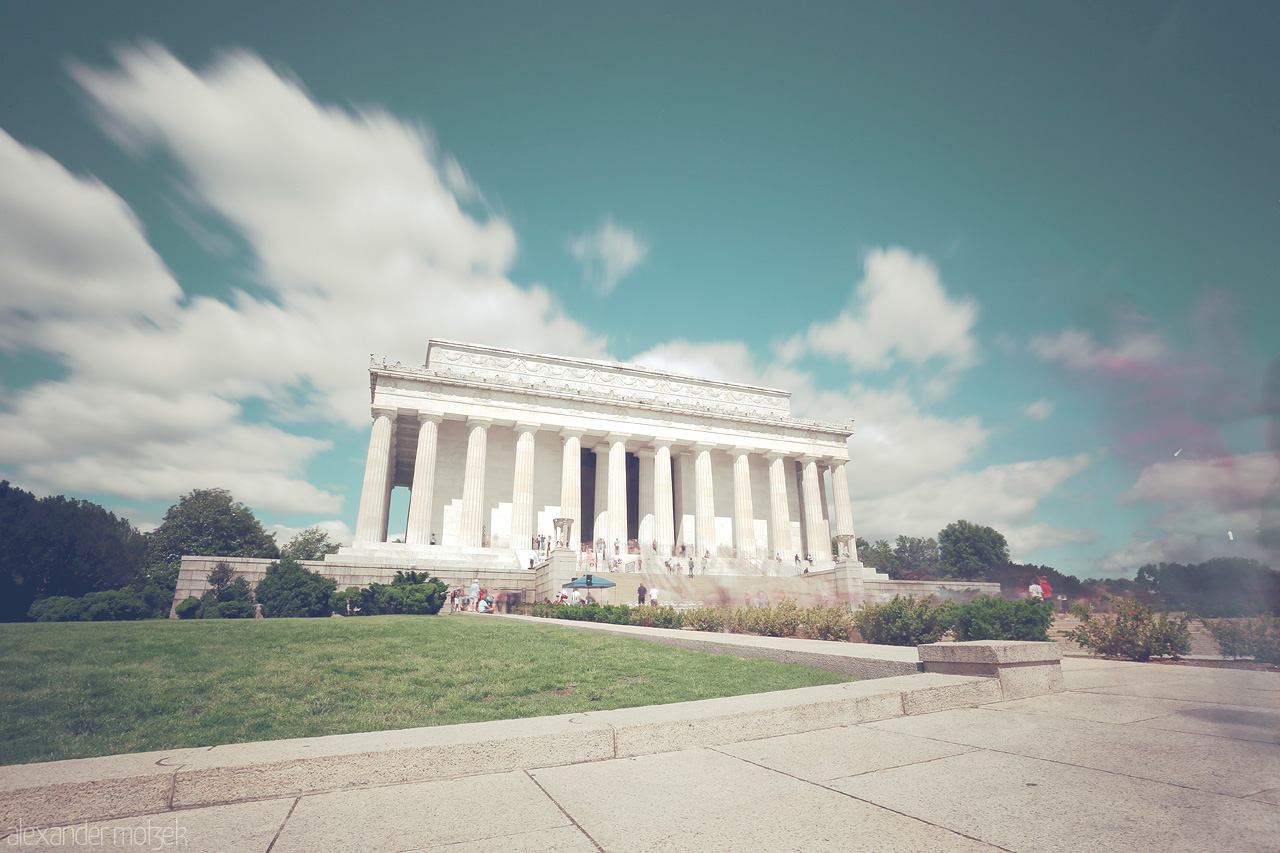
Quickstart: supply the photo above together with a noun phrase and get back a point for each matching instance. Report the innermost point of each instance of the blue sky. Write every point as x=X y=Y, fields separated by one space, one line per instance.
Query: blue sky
x=1029 y=249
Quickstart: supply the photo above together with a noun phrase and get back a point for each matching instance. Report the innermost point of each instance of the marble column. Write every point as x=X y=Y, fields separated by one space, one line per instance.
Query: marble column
x=618 y=493
x=424 y=478
x=840 y=490
x=817 y=541
x=779 y=514
x=704 y=524
x=522 y=520
x=646 y=528
x=600 y=530
x=824 y=469
x=371 y=523
x=663 y=510
x=473 y=523
x=571 y=484
x=744 y=527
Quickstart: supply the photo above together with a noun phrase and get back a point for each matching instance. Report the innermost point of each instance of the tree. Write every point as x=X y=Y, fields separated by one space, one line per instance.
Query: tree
x=881 y=556
x=1225 y=586
x=56 y=546
x=207 y=523
x=969 y=551
x=310 y=544
x=289 y=590
x=917 y=558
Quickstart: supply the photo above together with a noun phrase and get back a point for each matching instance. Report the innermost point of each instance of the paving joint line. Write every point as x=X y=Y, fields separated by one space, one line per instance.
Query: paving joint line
x=556 y=803
x=283 y=823
x=871 y=803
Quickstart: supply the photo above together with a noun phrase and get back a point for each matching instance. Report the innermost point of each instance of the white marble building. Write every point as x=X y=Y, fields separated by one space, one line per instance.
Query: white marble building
x=494 y=444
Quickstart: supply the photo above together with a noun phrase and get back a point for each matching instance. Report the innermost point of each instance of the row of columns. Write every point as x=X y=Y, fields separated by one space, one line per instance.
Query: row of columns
x=656 y=508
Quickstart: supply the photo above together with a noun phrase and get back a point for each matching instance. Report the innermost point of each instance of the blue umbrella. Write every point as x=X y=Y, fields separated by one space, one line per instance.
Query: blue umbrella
x=588 y=582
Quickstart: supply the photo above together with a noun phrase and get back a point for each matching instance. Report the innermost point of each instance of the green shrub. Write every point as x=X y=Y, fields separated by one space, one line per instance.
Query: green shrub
x=111 y=605
x=410 y=593
x=1136 y=633
x=827 y=623
x=289 y=590
x=666 y=617
x=704 y=619
x=987 y=618
x=1257 y=638
x=189 y=608
x=905 y=621
x=228 y=610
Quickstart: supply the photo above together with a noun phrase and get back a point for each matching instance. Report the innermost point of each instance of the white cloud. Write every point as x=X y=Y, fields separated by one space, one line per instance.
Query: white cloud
x=1040 y=410
x=1212 y=507
x=339 y=531
x=359 y=242
x=900 y=311
x=71 y=252
x=607 y=255
x=1078 y=350
x=1001 y=496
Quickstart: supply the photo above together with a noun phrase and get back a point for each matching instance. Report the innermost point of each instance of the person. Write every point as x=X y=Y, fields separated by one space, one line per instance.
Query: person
x=475 y=587
x=1062 y=603
x=1035 y=591
x=482 y=606
x=641 y=592
x=762 y=598
x=453 y=600
x=433 y=539
x=746 y=599
x=653 y=597
x=1046 y=590
x=576 y=596
x=531 y=563
x=797 y=559
x=704 y=567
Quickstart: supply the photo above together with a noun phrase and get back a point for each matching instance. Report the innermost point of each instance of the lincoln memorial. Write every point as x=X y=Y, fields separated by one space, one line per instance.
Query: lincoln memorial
x=525 y=470
x=493 y=445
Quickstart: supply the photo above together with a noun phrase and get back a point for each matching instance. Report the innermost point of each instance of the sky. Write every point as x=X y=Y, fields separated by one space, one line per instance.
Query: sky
x=1029 y=249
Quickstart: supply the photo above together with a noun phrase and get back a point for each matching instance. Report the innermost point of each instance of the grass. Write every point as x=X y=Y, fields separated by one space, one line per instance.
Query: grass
x=83 y=689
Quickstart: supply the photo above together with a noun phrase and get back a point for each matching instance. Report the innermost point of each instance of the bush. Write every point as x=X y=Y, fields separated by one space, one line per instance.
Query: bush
x=112 y=605
x=666 y=617
x=189 y=608
x=905 y=621
x=289 y=590
x=1137 y=632
x=410 y=593
x=704 y=619
x=827 y=623
x=229 y=610
x=1247 y=638
x=987 y=618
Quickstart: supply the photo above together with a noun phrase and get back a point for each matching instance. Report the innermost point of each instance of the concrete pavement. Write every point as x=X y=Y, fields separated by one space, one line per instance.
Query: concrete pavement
x=1131 y=756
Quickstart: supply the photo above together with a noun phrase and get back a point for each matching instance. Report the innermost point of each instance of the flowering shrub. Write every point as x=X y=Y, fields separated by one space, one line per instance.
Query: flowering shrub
x=1137 y=632
x=1247 y=638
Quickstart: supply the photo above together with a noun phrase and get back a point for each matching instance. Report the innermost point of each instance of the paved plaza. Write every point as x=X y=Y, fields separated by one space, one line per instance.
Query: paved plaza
x=1130 y=757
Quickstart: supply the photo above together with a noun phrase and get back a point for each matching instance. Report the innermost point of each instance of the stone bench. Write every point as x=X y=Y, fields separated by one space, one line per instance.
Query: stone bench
x=1023 y=668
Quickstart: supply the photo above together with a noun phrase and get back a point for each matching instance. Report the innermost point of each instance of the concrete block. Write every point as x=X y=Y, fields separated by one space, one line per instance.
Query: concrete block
x=61 y=792
x=1021 y=668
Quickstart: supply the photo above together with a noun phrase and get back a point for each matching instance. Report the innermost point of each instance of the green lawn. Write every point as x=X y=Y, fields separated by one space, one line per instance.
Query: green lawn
x=81 y=689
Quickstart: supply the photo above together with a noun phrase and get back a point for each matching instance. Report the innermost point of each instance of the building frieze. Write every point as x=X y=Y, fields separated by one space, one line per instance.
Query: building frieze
x=431 y=382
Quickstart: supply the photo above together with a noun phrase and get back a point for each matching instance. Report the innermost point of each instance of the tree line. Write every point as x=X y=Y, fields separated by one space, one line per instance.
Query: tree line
x=56 y=550
x=61 y=549
x=1223 y=586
